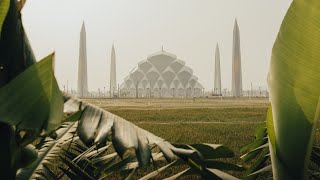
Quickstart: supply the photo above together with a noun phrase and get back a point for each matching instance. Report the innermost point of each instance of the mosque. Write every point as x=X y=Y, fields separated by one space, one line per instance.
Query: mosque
x=162 y=74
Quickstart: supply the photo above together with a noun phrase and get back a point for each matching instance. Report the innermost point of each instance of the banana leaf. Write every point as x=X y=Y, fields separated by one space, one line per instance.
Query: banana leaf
x=294 y=88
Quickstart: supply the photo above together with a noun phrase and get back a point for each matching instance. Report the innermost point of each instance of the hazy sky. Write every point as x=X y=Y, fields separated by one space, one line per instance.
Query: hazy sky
x=189 y=29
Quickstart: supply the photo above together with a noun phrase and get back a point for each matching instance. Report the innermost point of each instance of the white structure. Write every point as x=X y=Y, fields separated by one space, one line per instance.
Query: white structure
x=236 y=63
x=82 y=90
x=217 y=73
x=113 y=74
x=161 y=75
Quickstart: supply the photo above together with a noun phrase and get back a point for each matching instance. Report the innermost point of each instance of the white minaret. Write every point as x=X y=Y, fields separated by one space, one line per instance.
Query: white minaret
x=236 y=63
x=82 y=67
x=113 y=73
x=217 y=73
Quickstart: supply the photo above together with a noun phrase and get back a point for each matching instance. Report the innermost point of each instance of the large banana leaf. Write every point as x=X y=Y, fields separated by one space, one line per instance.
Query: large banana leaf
x=15 y=52
x=294 y=89
x=15 y=57
x=35 y=91
x=29 y=90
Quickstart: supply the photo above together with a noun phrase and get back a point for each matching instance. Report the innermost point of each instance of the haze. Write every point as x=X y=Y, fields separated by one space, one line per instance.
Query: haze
x=189 y=29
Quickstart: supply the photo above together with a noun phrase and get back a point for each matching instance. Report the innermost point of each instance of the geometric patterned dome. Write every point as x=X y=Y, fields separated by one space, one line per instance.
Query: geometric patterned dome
x=161 y=74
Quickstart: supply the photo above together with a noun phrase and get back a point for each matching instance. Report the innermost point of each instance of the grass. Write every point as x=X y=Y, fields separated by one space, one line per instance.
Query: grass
x=189 y=115
x=231 y=122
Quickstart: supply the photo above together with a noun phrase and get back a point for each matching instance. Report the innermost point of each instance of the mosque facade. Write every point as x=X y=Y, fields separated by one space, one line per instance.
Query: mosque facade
x=161 y=75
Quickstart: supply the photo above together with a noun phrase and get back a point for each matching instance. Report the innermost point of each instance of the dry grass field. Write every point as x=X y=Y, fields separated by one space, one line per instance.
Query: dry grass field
x=231 y=122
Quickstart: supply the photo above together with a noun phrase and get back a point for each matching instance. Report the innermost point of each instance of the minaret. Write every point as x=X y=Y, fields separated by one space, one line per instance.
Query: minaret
x=217 y=73
x=82 y=67
x=236 y=63
x=113 y=73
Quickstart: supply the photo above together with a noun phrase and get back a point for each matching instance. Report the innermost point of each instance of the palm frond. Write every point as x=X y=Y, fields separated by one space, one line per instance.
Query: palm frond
x=50 y=150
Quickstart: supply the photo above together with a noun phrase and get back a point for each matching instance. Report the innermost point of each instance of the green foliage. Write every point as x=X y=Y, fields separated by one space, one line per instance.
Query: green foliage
x=294 y=90
x=16 y=54
x=212 y=151
x=15 y=57
x=258 y=152
x=260 y=143
x=28 y=155
x=73 y=117
x=34 y=91
x=4 y=7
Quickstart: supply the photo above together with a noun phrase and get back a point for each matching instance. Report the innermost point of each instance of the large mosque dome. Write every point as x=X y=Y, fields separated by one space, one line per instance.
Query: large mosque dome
x=161 y=75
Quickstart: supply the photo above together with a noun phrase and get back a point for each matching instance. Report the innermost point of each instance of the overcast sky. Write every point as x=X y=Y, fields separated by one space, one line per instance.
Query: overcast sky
x=189 y=29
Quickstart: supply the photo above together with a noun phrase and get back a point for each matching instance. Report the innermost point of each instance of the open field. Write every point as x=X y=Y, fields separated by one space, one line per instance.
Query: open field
x=228 y=121
x=178 y=103
x=231 y=122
